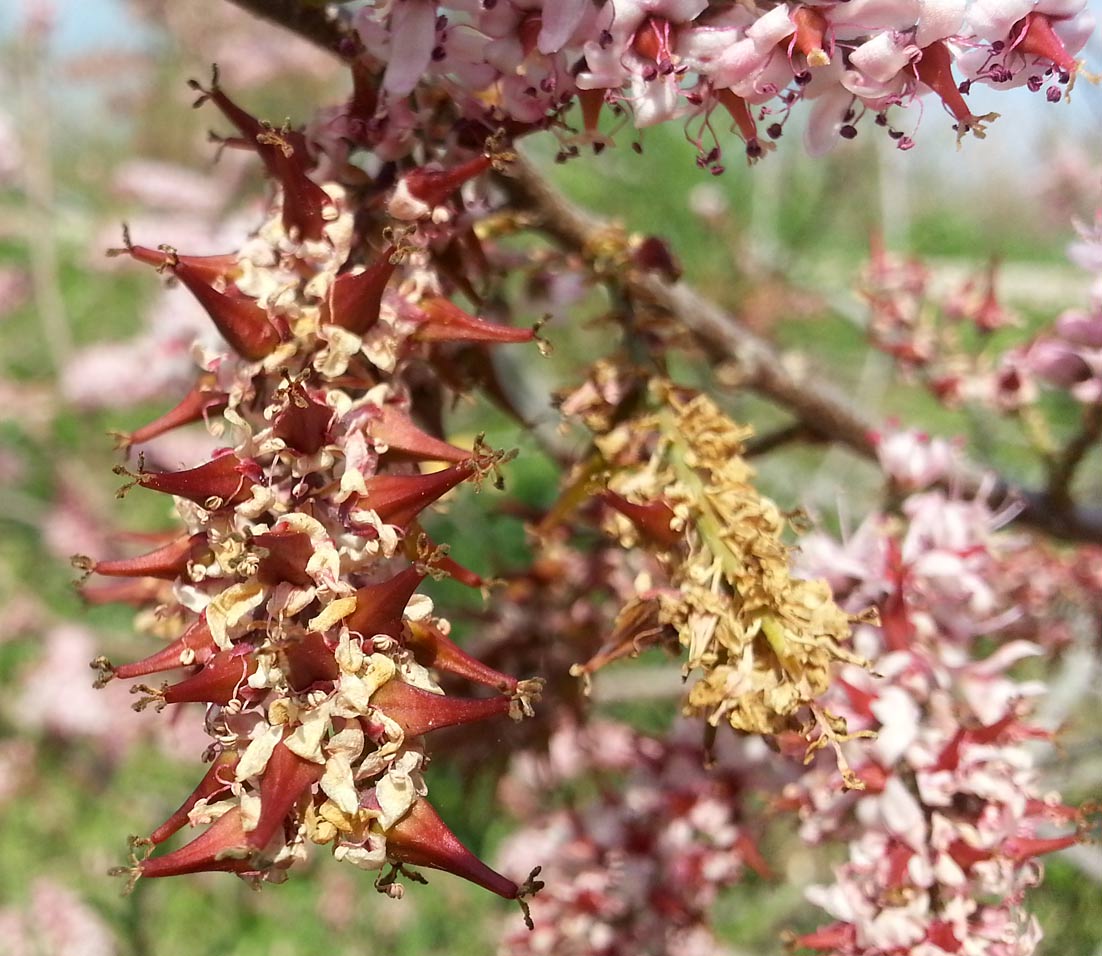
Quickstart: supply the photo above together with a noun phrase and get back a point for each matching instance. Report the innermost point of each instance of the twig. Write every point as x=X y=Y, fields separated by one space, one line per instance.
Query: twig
x=1063 y=468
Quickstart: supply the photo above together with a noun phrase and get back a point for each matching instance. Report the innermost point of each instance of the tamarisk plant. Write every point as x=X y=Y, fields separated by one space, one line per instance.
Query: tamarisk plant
x=289 y=597
x=293 y=583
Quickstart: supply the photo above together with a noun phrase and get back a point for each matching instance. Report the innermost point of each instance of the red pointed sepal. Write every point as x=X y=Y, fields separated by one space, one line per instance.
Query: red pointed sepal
x=222 y=482
x=201 y=401
x=935 y=68
x=217 y=779
x=1033 y=35
x=286 y=778
x=380 y=607
x=652 y=519
x=195 y=646
x=812 y=28
x=422 y=189
x=238 y=318
x=443 y=321
x=591 y=102
x=286 y=554
x=356 y=297
x=306 y=206
x=303 y=424
x=221 y=847
x=419 y=711
x=214 y=270
x=310 y=661
x=432 y=648
x=167 y=562
x=398 y=499
x=223 y=678
x=404 y=439
x=421 y=838
x=743 y=118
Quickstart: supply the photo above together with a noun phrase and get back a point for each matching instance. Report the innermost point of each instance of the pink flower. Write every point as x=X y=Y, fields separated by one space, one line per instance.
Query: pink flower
x=914 y=460
x=55 y=920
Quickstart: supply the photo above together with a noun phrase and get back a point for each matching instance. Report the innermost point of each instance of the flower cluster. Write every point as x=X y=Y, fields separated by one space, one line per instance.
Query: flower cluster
x=637 y=868
x=290 y=598
x=1069 y=355
x=764 y=641
x=520 y=62
x=928 y=334
x=944 y=835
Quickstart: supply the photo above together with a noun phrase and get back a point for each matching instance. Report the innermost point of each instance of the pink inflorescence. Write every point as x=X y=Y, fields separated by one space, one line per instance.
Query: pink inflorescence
x=518 y=63
x=637 y=868
x=944 y=836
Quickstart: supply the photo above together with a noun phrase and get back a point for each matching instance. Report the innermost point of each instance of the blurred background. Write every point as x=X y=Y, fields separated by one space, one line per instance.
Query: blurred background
x=96 y=128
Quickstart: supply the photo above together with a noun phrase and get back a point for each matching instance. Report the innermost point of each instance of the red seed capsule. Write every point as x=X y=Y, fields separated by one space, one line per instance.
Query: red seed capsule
x=286 y=554
x=195 y=646
x=222 y=846
x=398 y=499
x=404 y=439
x=222 y=679
x=356 y=297
x=421 y=838
x=167 y=562
x=219 y=483
x=286 y=778
x=444 y=321
x=432 y=648
x=419 y=711
x=216 y=780
x=202 y=400
x=380 y=607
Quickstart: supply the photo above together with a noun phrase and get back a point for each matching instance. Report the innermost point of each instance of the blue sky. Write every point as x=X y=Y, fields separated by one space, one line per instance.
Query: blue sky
x=95 y=24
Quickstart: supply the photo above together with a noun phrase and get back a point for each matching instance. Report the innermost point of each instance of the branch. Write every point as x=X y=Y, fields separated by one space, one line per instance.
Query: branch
x=1063 y=469
x=779 y=376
